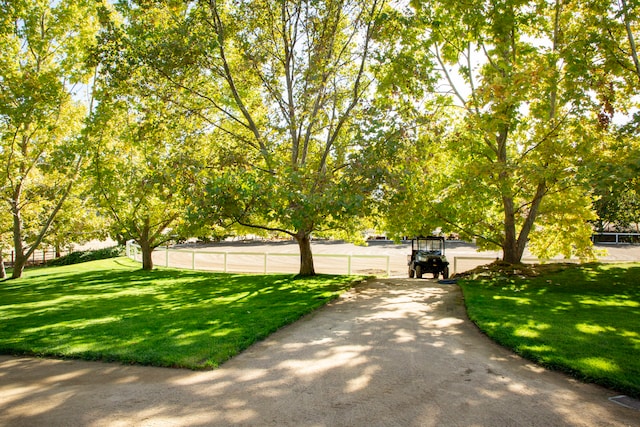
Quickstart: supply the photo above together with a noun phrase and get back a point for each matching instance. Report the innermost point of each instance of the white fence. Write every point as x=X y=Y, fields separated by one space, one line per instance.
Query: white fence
x=616 y=238
x=274 y=262
x=262 y=262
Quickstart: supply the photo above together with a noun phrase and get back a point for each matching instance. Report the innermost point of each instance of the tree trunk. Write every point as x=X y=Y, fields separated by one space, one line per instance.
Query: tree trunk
x=20 y=258
x=512 y=247
x=147 y=252
x=18 y=265
x=510 y=252
x=306 y=257
x=3 y=272
x=632 y=42
x=147 y=259
x=527 y=226
x=146 y=247
x=21 y=255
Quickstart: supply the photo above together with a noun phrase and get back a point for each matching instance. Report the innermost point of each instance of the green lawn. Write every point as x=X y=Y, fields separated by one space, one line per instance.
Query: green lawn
x=584 y=320
x=112 y=310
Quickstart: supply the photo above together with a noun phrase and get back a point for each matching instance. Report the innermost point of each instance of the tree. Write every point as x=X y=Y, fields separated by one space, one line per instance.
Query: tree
x=285 y=81
x=138 y=166
x=147 y=147
x=78 y=220
x=617 y=185
x=41 y=59
x=609 y=29
x=504 y=162
x=609 y=33
x=605 y=41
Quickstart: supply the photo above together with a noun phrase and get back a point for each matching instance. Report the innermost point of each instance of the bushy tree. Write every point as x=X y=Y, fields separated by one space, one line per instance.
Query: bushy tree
x=150 y=142
x=285 y=81
x=504 y=158
x=617 y=181
x=42 y=47
x=139 y=165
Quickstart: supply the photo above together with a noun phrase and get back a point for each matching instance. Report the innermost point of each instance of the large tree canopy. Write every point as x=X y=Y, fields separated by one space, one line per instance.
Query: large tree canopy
x=489 y=119
x=145 y=143
x=285 y=82
x=42 y=46
x=139 y=161
x=609 y=38
x=505 y=161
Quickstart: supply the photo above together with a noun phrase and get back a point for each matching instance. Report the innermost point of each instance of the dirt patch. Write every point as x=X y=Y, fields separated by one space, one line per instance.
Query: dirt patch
x=506 y=269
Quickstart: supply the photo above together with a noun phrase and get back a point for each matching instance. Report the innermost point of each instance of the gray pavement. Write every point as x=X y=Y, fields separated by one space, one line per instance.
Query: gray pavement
x=391 y=352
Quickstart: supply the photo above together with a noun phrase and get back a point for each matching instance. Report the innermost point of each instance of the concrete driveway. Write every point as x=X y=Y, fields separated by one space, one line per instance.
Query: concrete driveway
x=392 y=352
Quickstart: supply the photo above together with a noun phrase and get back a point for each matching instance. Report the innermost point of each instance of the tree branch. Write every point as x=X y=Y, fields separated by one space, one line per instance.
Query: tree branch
x=228 y=75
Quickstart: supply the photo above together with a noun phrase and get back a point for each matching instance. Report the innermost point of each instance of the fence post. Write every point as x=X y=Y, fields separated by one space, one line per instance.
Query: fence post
x=349 y=265
x=388 y=268
x=193 y=260
x=265 y=262
x=225 y=262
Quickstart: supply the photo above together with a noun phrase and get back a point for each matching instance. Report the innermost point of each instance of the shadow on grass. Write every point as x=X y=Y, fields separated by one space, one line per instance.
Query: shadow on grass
x=581 y=320
x=114 y=312
x=396 y=354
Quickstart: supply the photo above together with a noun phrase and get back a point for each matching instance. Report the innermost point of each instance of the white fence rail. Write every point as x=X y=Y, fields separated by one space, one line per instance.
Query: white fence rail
x=616 y=238
x=262 y=262
x=275 y=262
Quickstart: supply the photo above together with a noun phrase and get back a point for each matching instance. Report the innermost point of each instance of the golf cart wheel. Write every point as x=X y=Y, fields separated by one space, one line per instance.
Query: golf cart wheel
x=411 y=272
x=445 y=273
x=419 y=271
x=435 y=274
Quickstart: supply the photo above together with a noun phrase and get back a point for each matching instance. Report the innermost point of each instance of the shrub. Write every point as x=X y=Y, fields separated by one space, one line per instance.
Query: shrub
x=91 y=255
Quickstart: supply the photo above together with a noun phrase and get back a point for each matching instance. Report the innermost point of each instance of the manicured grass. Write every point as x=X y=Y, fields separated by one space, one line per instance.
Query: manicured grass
x=112 y=310
x=584 y=320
